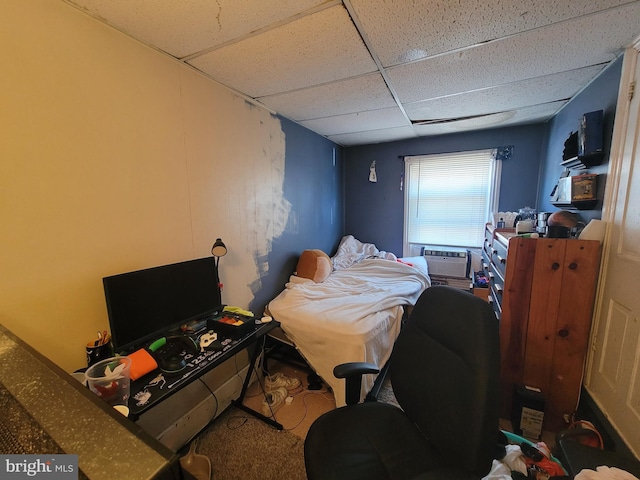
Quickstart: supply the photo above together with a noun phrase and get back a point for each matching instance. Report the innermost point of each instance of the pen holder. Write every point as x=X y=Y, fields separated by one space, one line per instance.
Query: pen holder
x=98 y=353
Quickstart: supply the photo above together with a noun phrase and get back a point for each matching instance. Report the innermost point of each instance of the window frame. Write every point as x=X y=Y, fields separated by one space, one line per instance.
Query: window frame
x=413 y=248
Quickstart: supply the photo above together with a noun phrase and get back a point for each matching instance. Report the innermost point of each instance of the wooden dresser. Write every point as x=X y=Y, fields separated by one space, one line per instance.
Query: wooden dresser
x=542 y=291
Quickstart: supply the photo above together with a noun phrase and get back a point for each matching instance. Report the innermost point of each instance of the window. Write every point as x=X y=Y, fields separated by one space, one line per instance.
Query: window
x=449 y=198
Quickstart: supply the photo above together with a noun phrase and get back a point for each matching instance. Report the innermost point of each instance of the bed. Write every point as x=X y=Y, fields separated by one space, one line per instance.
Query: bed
x=352 y=315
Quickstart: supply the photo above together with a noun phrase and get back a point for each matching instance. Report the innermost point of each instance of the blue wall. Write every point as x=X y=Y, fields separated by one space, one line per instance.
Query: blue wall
x=313 y=185
x=601 y=94
x=374 y=211
x=329 y=200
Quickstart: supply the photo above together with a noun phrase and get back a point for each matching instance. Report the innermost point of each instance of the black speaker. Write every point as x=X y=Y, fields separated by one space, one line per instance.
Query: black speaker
x=590 y=133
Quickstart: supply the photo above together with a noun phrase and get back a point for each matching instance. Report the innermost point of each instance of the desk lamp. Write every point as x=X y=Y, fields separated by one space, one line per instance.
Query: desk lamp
x=218 y=250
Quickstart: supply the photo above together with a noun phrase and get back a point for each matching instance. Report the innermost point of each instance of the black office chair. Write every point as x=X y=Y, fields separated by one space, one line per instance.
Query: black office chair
x=445 y=375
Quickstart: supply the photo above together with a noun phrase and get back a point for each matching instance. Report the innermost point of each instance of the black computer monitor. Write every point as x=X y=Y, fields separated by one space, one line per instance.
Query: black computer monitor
x=147 y=303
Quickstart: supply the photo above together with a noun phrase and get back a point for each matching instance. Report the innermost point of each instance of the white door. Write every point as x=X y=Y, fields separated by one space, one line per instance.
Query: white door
x=613 y=375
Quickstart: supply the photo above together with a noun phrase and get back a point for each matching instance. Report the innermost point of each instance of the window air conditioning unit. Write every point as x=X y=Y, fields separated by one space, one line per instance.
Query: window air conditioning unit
x=447 y=261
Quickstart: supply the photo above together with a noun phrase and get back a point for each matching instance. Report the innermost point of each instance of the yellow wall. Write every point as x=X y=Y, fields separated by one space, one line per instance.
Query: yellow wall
x=115 y=157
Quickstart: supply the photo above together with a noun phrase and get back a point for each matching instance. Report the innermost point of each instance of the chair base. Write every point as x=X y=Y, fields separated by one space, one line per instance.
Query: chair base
x=355 y=453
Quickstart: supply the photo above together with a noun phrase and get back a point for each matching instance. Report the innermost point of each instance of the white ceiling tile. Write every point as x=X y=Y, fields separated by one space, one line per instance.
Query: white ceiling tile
x=368 y=92
x=402 y=31
x=358 y=122
x=315 y=49
x=560 y=47
x=511 y=96
x=534 y=114
x=184 y=27
x=374 y=136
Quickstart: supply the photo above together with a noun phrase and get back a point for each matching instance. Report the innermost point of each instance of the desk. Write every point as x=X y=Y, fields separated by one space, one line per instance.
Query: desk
x=154 y=387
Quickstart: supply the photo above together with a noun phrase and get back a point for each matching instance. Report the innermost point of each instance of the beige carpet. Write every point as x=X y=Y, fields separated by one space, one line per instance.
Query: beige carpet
x=242 y=447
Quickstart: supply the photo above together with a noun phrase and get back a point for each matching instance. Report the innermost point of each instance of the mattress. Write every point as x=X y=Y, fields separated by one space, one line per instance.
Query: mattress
x=353 y=316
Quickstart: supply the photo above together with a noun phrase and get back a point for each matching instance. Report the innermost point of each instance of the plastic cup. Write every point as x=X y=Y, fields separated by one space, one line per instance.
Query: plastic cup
x=109 y=379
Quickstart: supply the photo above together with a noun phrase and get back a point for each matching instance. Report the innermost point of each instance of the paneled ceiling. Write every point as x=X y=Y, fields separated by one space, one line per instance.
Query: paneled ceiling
x=369 y=71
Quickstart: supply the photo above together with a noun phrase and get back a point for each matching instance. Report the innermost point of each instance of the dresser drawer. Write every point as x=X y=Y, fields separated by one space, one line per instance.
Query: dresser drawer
x=488 y=240
x=497 y=307
x=496 y=283
x=499 y=257
x=486 y=248
x=486 y=261
x=488 y=235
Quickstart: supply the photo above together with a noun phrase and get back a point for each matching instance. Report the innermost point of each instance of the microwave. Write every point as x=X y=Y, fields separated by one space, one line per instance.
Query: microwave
x=576 y=188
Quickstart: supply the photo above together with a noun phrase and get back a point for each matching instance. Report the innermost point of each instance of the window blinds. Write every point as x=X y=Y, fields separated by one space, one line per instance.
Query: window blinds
x=449 y=197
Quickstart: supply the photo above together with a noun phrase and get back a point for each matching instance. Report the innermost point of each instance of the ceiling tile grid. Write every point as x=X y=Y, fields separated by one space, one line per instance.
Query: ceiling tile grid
x=357 y=71
x=514 y=96
x=185 y=27
x=402 y=31
x=374 y=136
x=358 y=122
x=553 y=49
x=357 y=94
x=312 y=50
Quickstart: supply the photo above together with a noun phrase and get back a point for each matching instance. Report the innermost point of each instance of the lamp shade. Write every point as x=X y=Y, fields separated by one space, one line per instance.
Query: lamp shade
x=219 y=249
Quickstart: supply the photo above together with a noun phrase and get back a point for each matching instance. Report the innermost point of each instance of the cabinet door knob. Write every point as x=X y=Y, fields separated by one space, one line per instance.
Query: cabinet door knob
x=555 y=265
x=563 y=333
x=573 y=266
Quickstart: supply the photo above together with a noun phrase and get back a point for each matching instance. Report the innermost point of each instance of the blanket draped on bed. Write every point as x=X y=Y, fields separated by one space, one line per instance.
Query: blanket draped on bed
x=353 y=316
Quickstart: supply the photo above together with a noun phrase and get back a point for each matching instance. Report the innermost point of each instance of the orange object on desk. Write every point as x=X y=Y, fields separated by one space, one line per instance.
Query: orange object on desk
x=141 y=363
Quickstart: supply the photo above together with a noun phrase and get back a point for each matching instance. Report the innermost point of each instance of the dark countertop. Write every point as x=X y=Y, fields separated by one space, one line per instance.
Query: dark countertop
x=46 y=410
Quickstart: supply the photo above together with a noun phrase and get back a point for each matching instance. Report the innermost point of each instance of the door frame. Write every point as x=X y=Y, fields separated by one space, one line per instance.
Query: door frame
x=614 y=179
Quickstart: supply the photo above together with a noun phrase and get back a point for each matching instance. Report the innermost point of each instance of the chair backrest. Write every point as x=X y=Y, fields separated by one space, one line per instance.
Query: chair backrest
x=445 y=370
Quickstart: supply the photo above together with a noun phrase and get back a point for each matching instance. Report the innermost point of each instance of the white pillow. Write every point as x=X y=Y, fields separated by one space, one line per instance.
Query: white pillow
x=418 y=262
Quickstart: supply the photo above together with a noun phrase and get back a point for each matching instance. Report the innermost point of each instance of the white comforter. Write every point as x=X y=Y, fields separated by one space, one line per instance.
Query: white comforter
x=351 y=251
x=353 y=316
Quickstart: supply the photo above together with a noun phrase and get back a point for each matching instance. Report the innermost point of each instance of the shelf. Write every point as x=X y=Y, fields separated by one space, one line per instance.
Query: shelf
x=573 y=163
x=578 y=205
x=581 y=163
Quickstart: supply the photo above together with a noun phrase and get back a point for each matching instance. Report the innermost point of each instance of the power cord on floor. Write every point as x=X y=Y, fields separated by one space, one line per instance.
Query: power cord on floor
x=239 y=420
x=263 y=392
x=306 y=406
x=236 y=421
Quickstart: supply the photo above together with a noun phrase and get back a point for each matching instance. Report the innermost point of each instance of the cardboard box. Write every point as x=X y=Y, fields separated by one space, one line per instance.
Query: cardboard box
x=483 y=293
x=527 y=413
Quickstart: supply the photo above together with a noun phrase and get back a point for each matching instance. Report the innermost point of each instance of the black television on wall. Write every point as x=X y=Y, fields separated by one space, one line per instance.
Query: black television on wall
x=144 y=304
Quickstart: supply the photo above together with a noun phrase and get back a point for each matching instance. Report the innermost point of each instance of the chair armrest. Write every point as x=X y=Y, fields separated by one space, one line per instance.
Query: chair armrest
x=352 y=373
x=345 y=370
